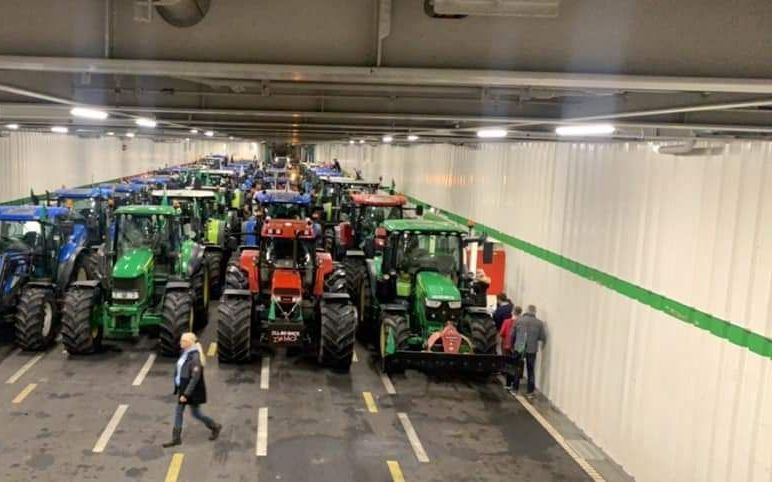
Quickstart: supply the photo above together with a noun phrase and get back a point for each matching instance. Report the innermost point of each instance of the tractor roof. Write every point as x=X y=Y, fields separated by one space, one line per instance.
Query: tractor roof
x=31 y=213
x=184 y=193
x=120 y=188
x=163 y=179
x=144 y=210
x=79 y=193
x=277 y=196
x=422 y=225
x=378 y=199
x=287 y=229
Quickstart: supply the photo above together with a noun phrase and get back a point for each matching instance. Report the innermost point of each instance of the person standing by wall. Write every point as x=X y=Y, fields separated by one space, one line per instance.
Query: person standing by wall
x=507 y=334
x=503 y=309
x=190 y=388
x=529 y=331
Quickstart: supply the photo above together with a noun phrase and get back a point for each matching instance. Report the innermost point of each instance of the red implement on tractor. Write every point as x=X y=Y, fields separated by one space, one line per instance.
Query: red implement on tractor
x=293 y=295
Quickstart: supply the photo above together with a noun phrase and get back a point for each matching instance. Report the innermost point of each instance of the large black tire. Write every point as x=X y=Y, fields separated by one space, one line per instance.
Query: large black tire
x=203 y=295
x=176 y=319
x=36 y=319
x=336 y=340
x=335 y=281
x=483 y=334
x=234 y=330
x=358 y=287
x=400 y=328
x=86 y=267
x=214 y=262
x=235 y=277
x=78 y=335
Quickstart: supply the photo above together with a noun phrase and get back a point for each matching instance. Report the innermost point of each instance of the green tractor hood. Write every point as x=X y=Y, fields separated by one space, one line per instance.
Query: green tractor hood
x=134 y=263
x=436 y=286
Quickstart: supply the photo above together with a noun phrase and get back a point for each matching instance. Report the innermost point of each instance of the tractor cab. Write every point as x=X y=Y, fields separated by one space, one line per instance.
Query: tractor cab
x=283 y=204
x=365 y=213
x=287 y=253
x=123 y=194
x=334 y=194
x=30 y=242
x=275 y=178
x=142 y=235
x=89 y=207
x=195 y=208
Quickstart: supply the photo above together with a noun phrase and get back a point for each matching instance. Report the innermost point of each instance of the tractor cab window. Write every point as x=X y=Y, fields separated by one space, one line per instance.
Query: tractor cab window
x=288 y=253
x=21 y=233
x=435 y=251
x=372 y=216
x=137 y=231
x=286 y=211
x=81 y=208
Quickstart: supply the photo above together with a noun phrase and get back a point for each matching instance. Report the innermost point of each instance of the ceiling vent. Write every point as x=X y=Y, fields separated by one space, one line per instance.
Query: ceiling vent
x=179 y=13
x=492 y=8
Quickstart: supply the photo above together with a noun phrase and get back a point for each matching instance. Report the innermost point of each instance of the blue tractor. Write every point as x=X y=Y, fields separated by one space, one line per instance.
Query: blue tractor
x=40 y=253
x=124 y=194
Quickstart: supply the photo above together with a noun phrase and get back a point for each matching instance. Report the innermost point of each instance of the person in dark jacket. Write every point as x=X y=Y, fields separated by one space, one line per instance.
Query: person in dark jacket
x=529 y=331
x=503 y=310
x=190 y=388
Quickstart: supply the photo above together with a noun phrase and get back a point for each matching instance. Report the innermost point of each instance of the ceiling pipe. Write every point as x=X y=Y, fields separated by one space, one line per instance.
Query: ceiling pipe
x=383 y=75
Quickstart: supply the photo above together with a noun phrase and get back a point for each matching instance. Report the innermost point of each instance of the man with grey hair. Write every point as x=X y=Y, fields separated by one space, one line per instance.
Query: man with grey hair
x=529 y=331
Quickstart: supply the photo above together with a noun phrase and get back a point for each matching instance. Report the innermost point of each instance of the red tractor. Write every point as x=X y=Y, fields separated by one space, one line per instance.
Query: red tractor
x=294 y=296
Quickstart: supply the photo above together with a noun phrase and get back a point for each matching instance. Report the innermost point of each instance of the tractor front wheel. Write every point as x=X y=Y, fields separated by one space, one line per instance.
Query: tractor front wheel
x=235 y=278
x=358 y=287
x=202 y=292
x=336 y=340
x=484 y=334
x=36 y=319
x=234 y=330
x=396 y=328
x=79 y=336
x=176 y=319
x=214 y=263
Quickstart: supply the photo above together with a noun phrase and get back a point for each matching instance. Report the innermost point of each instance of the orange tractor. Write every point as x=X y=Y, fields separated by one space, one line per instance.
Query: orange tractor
x=293 y=296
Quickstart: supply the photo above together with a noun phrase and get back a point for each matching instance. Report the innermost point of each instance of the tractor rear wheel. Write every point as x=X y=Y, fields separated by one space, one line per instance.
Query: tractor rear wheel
x=36 y=318
x=78 y=335
x=214 y=262
x=176 y=319
x=396 y=326
x=86 y=268
x=235 y=278
x=202 y=292
x=358 y=287
x=336 y=340
x=234 y=330
x=336 y=282
x=484 y=333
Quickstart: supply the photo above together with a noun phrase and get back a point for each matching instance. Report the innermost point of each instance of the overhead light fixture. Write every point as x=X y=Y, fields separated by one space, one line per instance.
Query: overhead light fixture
x=351 y=141
x=361 y=141
x=231 y=138
x=209 y=133
x=12 y=127
x=387 y=139
x=87 y=113
x=187 y=139
x=145 y=122
x=491 y=133
x=412 y=138
x=497 y=8
x=585 y=130
x=59 y=130
x=111 y=133
x=194 y=131
x=130 y=135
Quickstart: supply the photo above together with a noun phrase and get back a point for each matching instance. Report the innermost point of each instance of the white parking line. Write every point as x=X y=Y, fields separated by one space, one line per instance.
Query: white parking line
x=21 y=371
x=261 y=447
x=589 y=469
x=144 y=370
x=388 y=385
x=111 y=426
x=412 y=436
x=265 y=373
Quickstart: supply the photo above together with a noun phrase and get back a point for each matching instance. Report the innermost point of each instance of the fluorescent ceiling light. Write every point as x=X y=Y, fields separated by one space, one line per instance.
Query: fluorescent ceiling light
x=209 y=133
x=187 y=139
x=585 y=130
x=491 y=133
x=351 y=141
x=111 y=133
x=13 y=127
x=130 y=134
x=89 y=113
x=361 y=141
x=412 y=137
x=231 y=138
x=194 y=131
x=503 y=8
x=59 y=130
x=145 y=122
x=387 y=139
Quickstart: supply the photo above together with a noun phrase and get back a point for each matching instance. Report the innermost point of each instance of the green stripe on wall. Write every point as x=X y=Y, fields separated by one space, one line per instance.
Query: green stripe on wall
x=735 y=334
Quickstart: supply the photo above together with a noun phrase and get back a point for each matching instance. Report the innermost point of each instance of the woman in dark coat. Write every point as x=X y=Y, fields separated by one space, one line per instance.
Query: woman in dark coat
x=190 y=387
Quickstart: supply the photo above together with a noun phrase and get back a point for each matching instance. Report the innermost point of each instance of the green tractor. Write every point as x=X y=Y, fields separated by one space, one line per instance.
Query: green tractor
x=158 y=279
x=418 y=301
x=204 y=220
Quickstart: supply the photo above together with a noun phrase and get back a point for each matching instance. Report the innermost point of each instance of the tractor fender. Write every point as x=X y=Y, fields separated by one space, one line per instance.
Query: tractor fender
x=336 y=297
x=248 y=264
x=373 y=281
x=41 y=284
x=476 y=310
x=213 y=247
x=196 y=259
x=177 y=285
x=233 y=293
x=74 y=243
x=394 y=308
x=67 y=265
x=93 y=283
x=355 y=253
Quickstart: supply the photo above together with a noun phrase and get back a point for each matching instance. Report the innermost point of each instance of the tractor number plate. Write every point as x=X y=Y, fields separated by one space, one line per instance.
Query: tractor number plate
x=286 y=336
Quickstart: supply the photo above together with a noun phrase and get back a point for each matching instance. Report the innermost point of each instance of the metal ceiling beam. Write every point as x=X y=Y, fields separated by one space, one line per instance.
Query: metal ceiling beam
x=383 y=75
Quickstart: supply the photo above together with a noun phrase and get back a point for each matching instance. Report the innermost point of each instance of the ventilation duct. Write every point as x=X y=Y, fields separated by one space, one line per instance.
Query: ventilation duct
x=492 y=8
x=179 y=13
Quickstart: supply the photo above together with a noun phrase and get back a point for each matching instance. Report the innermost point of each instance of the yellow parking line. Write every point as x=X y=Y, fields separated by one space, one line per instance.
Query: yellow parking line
x=396 y=472
x=174 y=468
x=212 y=349
x=370 y=402
x=23 y=394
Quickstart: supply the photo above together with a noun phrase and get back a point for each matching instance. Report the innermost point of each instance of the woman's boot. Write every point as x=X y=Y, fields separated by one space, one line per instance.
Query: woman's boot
x=176 y=438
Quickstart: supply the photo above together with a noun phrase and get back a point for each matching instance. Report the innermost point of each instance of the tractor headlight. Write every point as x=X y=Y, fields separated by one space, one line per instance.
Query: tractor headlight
x=433 y=303
x=454 y=305
x=126 y=295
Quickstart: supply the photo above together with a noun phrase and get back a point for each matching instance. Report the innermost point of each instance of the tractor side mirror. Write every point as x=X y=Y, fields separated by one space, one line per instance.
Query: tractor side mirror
x=419 y=210
x=487 y=252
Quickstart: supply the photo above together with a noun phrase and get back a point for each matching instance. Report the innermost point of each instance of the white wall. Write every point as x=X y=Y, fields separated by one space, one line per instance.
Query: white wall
x=38 y=161
x=667 y=400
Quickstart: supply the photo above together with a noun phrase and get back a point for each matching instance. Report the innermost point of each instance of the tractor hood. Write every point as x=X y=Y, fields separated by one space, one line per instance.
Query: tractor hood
x=286 y=283
x=436 y=286
x=134 y=263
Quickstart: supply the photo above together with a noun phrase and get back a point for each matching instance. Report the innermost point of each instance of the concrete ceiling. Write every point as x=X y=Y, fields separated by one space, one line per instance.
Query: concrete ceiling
x=304 y=71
